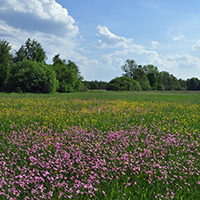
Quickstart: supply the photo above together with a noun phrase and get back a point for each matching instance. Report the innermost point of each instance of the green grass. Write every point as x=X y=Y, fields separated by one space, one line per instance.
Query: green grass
x=161 y=134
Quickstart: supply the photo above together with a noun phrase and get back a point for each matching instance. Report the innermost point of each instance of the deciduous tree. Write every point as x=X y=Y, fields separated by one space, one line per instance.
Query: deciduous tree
x=32 y=76
x=5 y=57
x=134 y=71
x=67 y=74
x=32 y=50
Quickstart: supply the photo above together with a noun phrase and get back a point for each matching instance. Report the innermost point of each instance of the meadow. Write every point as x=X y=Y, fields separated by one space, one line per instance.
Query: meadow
x=100 y=145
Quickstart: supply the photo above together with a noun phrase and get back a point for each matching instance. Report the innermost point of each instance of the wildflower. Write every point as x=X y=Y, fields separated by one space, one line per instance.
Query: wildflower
x=60 y=195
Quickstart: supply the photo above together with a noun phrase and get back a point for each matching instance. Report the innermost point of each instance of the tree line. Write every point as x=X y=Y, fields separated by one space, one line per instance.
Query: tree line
x=27 y=71
x=147 y=77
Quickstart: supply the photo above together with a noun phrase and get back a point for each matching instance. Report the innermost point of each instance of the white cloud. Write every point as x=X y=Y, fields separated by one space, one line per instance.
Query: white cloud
x=48 y=23
x=178 y=37
x=196 y=47
x=182 y=66
x=110 y=40
x=44 y=20
x=46 y=16
x=154 y=44
x=51 y=43
x=175 y=33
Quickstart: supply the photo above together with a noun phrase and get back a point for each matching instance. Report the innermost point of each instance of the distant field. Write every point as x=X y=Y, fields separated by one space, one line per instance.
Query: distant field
x=100 y=145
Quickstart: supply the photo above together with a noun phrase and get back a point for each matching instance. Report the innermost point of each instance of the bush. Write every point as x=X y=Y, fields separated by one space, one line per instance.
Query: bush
x=123 y=83
x=67 y=74
x=31 y=76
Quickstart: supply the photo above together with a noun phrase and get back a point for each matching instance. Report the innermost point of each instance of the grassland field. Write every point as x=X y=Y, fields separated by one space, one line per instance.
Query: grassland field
x=100 y=145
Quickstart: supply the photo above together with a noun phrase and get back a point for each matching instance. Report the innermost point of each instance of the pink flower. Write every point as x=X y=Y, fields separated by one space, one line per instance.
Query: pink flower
x=46 y=173
x=60 y=195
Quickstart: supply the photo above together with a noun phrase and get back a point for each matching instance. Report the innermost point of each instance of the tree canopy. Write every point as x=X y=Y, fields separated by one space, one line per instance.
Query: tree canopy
x=5 y=57
x=27 y=71
x=123 y=84
x=150 y=78
x=32 y=50
x=31 y=76
x=67 y=74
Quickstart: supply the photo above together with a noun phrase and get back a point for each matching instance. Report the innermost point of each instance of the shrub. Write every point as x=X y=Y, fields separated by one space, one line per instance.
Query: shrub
x=31 y=76
x=123 y=83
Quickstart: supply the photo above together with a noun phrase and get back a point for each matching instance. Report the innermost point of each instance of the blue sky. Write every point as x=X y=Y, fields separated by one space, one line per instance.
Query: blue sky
x=100 y=35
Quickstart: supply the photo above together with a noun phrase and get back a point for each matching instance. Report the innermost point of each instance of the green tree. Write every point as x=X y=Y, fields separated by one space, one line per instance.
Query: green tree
x=76 y=74
x=152 y=74
x=32 y=50
x=150 y=69
x=101 y=85
x=183 y=84
x=129 y=68
x=193 y=83
x=67 y=74
x=19 y=55
x=153 y=81
x=5 y=57
x=92 y=85
x=136 y=72
x=169 y=81
x=123 y=84
x=32 y=76
x=142 y=78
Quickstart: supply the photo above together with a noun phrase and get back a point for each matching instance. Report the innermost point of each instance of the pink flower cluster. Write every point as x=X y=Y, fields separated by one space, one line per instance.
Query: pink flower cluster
x=43 y=164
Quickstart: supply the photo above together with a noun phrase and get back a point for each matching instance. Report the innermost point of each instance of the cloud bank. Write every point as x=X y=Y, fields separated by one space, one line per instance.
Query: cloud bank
x=46 y=16
x=44 y=20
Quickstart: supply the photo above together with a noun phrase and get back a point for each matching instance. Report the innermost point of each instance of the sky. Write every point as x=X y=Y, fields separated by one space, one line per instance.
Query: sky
x=100 y=35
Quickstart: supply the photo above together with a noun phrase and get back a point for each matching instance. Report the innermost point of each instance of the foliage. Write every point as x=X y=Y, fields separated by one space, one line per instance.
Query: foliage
x=129 y=68
x=150 y=69
x=193 y=84
x=142 y=78
x=26 y=71
x=150 y=78
x=69 y=79
x=153 y=81
x=67 y=74
x=169 y=81
x=123 y=83
x=96 y=85
x=32 y=50
x=183 y=84
x=5 y=57
x=32 y=76
x=136 y=72
x=152 y=74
